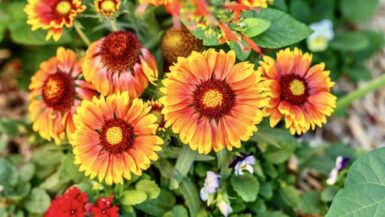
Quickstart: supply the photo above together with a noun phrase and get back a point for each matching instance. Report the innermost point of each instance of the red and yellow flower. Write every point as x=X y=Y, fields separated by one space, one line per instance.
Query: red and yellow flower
x=119 y=62
x=53 y=15
x=156 y=109
x=256 y=3
x=297 y=92
x=114 y=137
x=55 y=92
x=107 y=8
x=211 y=101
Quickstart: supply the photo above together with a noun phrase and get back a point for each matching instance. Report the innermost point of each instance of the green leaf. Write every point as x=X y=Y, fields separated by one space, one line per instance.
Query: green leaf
x=241 y=54
x=190 y=194
x=177 y=211
x=38 y=201
x=300 y=10
x=27 y=171
x=349 y=41
x=272 y=214
x=266 y=190
x=364 y=192
x=359 y=73
x=183 y=164
x=71 y=169
x=149 y=187
x=311 y=203
x=8 y=173
x=246 y=186
x=158 y=206
x=289 y=195
x=284 y=29
x=133 y=197
x=9 y=127
x=255 y=26
x=18 y=192
x=280 y=144
x=329 y=193
x=358 y=10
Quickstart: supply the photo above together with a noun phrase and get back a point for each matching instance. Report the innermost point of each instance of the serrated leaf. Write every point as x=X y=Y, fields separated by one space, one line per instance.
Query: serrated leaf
x=149 y=187
x=283 y=31
x=255 y=26
x=246 y=186
x=364 y=192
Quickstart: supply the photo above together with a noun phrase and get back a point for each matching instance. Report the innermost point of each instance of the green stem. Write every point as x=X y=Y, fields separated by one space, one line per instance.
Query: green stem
x=83 y=36
x=373 y=85
x=114 y=27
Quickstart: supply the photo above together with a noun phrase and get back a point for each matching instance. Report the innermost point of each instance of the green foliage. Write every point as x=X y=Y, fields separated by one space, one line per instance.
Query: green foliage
x=246 y=186
x=149 y=187
x=38 y=202
x=284 y=30
x=357 y=10
x=363 y=193
x=255 y=26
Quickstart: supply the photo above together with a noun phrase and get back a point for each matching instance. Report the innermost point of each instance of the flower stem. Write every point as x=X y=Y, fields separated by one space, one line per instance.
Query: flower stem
x=373 y=85
x=114 y=27
x=83 y=36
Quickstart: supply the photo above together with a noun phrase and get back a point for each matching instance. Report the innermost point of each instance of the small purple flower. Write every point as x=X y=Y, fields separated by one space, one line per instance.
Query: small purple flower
x=241 y=163
x=210 y=186
x=341 y=163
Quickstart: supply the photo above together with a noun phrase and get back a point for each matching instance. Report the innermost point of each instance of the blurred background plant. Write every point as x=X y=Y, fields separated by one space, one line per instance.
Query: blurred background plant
x=288 y=176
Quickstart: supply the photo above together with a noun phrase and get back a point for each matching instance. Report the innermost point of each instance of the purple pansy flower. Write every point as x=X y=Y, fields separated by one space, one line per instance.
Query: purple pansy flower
x=241 y=163
x=341 y=163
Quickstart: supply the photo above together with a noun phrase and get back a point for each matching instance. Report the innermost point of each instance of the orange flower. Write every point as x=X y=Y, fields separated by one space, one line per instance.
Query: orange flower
x=107 y=8
x=119 y=62
x=297 y=92
x=53 y=15
x=156 y=109
x=211 y=101
x=55 y=92
x=115 y=137
x=256 y=3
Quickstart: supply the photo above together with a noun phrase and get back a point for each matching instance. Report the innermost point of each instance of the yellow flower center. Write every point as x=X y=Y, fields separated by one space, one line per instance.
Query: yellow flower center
x=114 y=135
x=52 y=88
x=108 y=6
x=64 y=7
x=297 y=87
x=212 y=98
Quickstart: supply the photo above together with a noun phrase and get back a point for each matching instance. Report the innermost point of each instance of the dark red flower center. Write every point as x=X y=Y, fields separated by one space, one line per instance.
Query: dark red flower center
x=120 y=51
x=294 y=89
x=59 y=91
x=214 y=98
x=117 y=136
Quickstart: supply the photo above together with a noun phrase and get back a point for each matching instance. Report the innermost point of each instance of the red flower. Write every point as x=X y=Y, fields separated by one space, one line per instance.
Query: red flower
x=103 y=208
x=71 y=204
